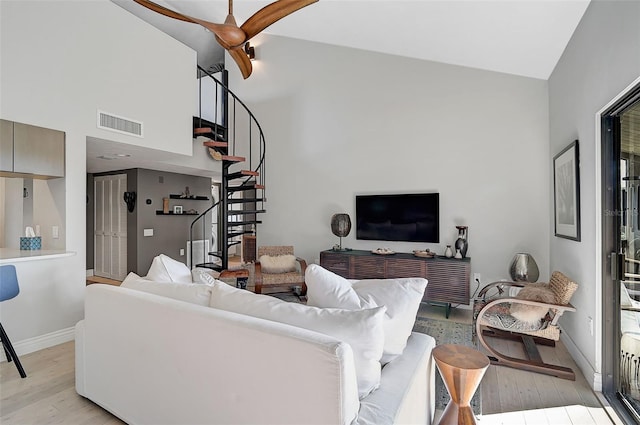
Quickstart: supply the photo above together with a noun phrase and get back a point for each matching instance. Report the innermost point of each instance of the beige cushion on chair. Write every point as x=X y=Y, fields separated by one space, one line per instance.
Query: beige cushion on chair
x=532 y=313
x=282 y=278
x=562 y=287
x=278 y=263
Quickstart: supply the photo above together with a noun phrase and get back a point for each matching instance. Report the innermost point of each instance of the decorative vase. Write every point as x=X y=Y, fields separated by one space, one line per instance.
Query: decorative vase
x=461 y=242
x=165 y=205
x=523 y=268
x=448 y=252
x=458 y=254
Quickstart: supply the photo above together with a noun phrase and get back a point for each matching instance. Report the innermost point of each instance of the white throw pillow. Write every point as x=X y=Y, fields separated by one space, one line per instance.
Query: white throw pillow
x=278 y=263
x=166 y=269
x=362 y=329
x=194 y=293
x=401 y=296
x=200 y=275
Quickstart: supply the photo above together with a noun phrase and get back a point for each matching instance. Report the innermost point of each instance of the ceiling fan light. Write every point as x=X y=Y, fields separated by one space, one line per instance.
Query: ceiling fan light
x=250 y=51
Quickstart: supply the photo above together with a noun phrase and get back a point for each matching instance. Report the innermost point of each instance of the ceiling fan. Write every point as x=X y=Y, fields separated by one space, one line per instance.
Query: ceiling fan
x=231 y=36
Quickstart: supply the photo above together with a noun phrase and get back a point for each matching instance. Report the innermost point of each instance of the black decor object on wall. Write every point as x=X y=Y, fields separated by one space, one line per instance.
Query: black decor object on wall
x=130 y=200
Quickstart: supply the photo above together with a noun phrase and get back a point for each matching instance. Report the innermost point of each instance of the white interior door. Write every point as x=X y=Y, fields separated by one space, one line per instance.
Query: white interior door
x=110 y=228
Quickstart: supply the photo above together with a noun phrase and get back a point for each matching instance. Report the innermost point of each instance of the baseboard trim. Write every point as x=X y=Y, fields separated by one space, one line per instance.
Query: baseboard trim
x=89 y=272
x=43 y=341
x=593 y=378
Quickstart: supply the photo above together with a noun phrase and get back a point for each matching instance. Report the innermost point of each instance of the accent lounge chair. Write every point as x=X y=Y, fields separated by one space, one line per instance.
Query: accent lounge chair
x=541 y=305
x=277 y=266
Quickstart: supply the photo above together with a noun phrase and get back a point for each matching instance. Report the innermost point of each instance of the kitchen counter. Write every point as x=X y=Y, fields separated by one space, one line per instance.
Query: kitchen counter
x=9 y=255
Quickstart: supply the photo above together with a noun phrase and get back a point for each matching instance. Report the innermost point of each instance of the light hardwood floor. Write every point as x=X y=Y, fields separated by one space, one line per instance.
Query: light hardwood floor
x=47 y=395
x=506 y=390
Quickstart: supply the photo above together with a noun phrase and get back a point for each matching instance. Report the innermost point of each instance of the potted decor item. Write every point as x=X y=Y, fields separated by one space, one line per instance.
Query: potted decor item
x=448 y=252
x=461 y=243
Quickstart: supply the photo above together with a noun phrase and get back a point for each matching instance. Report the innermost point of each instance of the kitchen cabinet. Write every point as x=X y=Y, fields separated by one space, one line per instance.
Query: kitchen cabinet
x=6 y=145
x=30 y=151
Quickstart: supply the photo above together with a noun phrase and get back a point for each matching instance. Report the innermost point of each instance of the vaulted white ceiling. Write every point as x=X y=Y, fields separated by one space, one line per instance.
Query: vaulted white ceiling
x=522 y=37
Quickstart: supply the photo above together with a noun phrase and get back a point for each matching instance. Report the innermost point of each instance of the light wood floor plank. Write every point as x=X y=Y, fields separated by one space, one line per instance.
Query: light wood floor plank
x=579 y=415
x=557 y=415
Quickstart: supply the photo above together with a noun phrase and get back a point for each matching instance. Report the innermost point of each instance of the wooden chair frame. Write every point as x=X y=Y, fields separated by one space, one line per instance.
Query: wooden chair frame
x=533 y=362
x=258 y=275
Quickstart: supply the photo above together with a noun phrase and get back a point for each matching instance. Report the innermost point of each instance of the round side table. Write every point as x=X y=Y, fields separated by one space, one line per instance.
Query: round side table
x=462 y=369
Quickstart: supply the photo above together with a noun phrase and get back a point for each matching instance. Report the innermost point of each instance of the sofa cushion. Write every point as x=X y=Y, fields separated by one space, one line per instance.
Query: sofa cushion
x=361 y=329
x=194 y=293
x=400 y=296
x=278 y=263
x=166 y=269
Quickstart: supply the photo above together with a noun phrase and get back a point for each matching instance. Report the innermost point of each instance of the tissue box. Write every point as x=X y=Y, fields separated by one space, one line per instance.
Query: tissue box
x=30 y=243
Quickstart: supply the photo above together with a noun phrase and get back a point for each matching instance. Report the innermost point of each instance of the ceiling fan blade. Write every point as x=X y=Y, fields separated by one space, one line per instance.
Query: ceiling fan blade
x=271 y=13
x=242 y=60
x=164 y=11
x=228 y=34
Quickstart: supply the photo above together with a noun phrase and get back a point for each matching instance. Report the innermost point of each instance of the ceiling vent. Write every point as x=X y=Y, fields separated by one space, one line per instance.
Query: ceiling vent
x=112 y=122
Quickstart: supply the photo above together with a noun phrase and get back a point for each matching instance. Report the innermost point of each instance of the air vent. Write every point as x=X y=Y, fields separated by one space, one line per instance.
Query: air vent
x=118 y=124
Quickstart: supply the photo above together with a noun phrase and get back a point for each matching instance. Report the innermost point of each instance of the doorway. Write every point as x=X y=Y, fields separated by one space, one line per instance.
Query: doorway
x=110 y=227
x=620 y=138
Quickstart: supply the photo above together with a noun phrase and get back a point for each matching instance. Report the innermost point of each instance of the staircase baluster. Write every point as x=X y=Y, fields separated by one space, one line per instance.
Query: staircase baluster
x=224 y=128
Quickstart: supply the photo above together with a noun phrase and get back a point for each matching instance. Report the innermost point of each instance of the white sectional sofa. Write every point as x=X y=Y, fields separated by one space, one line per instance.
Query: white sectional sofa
x=170 y=358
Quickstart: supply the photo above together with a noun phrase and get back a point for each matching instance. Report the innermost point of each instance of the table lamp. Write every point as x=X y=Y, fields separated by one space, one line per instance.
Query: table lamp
x=341 y=226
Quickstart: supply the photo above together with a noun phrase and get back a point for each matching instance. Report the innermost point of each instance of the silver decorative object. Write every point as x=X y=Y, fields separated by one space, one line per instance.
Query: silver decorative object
x=523 y=268
x=340 y=226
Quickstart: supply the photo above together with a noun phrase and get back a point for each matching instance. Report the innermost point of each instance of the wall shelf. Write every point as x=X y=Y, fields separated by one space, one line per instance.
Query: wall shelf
x=190 y=198
x=160 y=212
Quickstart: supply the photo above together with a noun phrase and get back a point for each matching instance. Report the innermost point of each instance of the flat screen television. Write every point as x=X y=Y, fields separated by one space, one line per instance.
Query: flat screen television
x=411 y=217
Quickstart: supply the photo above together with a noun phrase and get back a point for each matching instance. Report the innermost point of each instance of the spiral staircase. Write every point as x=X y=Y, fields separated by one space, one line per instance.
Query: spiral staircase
x=233 y=136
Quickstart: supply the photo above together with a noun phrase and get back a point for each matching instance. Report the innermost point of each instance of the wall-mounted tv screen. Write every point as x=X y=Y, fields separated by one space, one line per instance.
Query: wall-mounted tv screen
x=410 y=217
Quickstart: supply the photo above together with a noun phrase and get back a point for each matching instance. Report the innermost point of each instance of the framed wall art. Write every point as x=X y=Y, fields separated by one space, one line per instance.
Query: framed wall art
x=177 y=209
x=566 y=192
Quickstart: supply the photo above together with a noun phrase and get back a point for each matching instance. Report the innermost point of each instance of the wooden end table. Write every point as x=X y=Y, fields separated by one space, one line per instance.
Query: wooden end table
x=462 y=369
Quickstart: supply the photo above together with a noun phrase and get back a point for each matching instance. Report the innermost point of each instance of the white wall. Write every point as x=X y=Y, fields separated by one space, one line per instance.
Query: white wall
x=601 y=60
x=341 y=121
x=49 y=211
x=60 y=62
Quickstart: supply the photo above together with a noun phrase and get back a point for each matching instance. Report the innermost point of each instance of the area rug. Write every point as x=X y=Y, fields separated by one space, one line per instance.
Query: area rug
x=448 y=332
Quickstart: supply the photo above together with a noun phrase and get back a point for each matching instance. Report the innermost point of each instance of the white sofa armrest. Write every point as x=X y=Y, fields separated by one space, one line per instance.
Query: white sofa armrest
x=407 y=388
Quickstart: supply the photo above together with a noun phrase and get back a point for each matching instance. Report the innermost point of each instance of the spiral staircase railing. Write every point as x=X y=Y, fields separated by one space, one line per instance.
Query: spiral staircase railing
x=231 y=129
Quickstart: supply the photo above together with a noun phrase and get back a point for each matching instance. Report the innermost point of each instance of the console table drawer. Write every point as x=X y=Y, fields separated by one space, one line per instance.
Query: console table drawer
x=335 y=262
x=399 y=267
x=368 y=268
x=448 y=282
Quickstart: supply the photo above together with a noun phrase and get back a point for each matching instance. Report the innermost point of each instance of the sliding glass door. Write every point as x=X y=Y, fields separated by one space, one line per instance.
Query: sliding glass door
x=621 y=246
